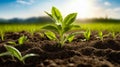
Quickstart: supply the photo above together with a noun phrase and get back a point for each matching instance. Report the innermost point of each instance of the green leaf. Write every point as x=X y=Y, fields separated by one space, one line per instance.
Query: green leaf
x=2 y=34
x=56 y=14
x=50 y=27
x=69 y=19
x=50 y=35
x=16 y=53
x=66 y=29
x=100 y=34
x=49 y=14
x=13 y=51
x=22 y=39
x=70 y=27
x=87 y=34
x=70 y=37
x=5 y=53
x=11 y=43
x=28 y=55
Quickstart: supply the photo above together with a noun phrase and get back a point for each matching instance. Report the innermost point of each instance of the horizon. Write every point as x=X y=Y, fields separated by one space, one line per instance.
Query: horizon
x=35 y=8
x=102 y=18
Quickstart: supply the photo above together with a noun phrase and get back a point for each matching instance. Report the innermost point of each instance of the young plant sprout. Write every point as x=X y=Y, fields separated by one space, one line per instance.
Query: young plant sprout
x=70 y=37
x=22 y=39
x=113 y=35
x=2 y=35
x=60 y=26
x=87 y=35
x=16 y=53
x=12 y=43
x=101 y=36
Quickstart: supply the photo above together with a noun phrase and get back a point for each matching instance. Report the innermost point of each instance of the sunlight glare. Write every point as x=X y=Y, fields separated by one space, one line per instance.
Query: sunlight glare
x=83 y=7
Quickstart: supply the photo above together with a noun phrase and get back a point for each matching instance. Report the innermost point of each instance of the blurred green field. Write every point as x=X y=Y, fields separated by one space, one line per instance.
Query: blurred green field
x=112 y=27
x=20 y=27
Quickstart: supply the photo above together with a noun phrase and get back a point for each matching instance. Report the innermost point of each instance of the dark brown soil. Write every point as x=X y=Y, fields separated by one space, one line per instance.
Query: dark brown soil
x=92 y=53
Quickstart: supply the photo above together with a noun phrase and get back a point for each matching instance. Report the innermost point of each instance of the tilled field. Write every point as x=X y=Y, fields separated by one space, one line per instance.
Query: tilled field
x=92 y=53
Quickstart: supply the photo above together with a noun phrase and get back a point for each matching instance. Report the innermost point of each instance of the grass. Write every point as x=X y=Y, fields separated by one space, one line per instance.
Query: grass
x=112 y=27
x=20 y=27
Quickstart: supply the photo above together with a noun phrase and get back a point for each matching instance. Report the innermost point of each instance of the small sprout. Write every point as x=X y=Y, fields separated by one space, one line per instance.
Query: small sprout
x=113 y=35
x=22 y=39
x=2 y=34
x=60 y=26
x=101 y=36
x=87 y=35
x=70 y=37
x=16 y=53
x=12 y=43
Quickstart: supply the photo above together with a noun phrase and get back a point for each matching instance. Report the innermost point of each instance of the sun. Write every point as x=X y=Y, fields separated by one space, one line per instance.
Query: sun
x=83 y=7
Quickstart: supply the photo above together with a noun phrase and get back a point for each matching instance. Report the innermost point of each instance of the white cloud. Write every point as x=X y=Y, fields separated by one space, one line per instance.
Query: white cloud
x=113 y=12
x=26 y=2
x=117 y=9
x=107 y=3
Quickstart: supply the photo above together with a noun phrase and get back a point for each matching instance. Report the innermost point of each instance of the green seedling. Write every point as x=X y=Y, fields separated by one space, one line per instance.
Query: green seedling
x=2 y=34
x=113 y=35
x=87 y=35
x=60 y=26
x=16 y=53
x=22 y=39
x=101 y=36
x=70 y=37
x=12 y=43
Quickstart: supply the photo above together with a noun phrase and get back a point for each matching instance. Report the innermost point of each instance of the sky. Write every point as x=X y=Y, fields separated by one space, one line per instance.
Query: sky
x=35 y=8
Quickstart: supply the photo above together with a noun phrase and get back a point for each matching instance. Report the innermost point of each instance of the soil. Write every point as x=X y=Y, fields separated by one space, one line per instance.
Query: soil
x=92 y=53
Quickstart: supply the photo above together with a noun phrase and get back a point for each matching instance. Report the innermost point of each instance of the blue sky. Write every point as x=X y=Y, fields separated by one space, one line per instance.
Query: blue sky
x=84 y=8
